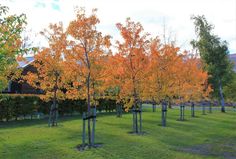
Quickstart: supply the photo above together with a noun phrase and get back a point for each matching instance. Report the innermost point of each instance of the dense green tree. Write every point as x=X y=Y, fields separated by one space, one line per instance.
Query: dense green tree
x=11 y=27
x=230 y=90
x=214 y=54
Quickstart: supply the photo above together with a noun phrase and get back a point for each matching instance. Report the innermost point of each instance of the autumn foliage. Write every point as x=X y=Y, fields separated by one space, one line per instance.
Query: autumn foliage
x=49 y=75
x=79 y=64
x=79 y=60
x=132 y=62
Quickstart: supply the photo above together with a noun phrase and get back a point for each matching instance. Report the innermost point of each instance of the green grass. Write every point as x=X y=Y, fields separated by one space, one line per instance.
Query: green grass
x=206 y=136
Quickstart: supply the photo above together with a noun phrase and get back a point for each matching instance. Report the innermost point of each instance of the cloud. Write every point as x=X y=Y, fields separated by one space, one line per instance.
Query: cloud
x=151 y=13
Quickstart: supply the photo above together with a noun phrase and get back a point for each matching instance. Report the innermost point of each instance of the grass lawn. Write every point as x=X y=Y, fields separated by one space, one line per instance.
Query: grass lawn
x=206 y=136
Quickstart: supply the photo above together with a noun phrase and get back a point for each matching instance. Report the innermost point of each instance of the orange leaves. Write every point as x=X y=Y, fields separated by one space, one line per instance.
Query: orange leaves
x=87 y=58
x=131 y=61
x=193 y=85
x=142 y=68
x=147 y=69
x=49 y=74
x=173 y=74
x=163 y=65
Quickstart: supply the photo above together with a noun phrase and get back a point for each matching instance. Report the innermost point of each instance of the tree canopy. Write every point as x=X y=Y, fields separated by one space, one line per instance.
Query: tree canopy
x=11 y=27
x=214 y=54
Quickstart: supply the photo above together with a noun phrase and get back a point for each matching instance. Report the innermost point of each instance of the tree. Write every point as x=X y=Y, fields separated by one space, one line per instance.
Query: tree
x=195 y=85
x=164 y=74
x=214 y=54
x=88 y=48
x=173 y=76
x=132 y=52
x=230 y=90
x=113 y=82
x=49 y=75
x=11 y=27
x=164 y=61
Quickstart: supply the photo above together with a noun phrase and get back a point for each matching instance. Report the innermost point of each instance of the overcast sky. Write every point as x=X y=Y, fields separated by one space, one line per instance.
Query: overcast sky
x=152 y=14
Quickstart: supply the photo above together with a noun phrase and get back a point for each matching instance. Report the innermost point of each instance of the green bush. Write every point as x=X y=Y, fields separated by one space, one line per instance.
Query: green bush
x=5 y=107
x=15 y=106
x=109 y=105
x=70 y=106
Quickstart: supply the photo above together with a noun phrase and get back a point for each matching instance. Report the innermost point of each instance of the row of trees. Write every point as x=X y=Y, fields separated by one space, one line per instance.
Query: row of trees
x=80 y=64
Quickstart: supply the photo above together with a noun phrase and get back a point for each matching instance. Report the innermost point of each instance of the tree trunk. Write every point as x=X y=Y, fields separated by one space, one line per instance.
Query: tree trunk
x=204 y=108
x=83 y=129
x=50 y=116
x=135 y=109
x=89 y=109
x=88 y=94
x=118 y=110
x=210 y=107
x=153 y=107
x=163 y=113
x=192 y=109
x=140 y=119
x=136 y=120
x=94 y=125
x=182 y=107
x=133 y=119
x=56 y=114
x=54 y=108
x=169 y=104
x=180 y=118
x=222 y=101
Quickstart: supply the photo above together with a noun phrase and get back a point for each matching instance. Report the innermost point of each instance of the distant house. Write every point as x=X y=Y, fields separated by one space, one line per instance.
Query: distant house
x=23 y=88
x=232 y=57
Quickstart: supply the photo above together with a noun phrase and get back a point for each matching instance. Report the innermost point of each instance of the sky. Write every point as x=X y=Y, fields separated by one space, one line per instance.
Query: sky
x=152 y=14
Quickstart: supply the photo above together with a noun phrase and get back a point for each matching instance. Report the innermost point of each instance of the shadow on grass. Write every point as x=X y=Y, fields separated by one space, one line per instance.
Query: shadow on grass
x=44 y=121
x=224 y=147
x=23 y=123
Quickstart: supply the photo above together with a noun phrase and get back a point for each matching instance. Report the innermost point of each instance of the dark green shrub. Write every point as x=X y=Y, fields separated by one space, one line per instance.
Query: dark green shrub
x=13 y=106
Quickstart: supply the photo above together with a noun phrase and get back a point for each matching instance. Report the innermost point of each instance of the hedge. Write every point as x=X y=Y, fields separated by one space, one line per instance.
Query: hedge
x=15 y=106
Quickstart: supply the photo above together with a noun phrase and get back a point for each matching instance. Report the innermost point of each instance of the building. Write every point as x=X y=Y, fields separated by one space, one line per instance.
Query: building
x=23 y=88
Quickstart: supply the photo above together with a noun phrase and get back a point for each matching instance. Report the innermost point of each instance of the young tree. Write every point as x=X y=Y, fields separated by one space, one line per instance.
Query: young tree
x=133 y=62
x=49 y=75
x=173 y=76
x=11 y=27
x=163 y=74
x=214 y=54
x=195 y=86
x=113 y=82
x=88 y=48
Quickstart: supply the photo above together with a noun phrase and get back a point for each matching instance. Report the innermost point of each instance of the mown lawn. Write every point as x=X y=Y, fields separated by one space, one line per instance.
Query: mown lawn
x=206 y=136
